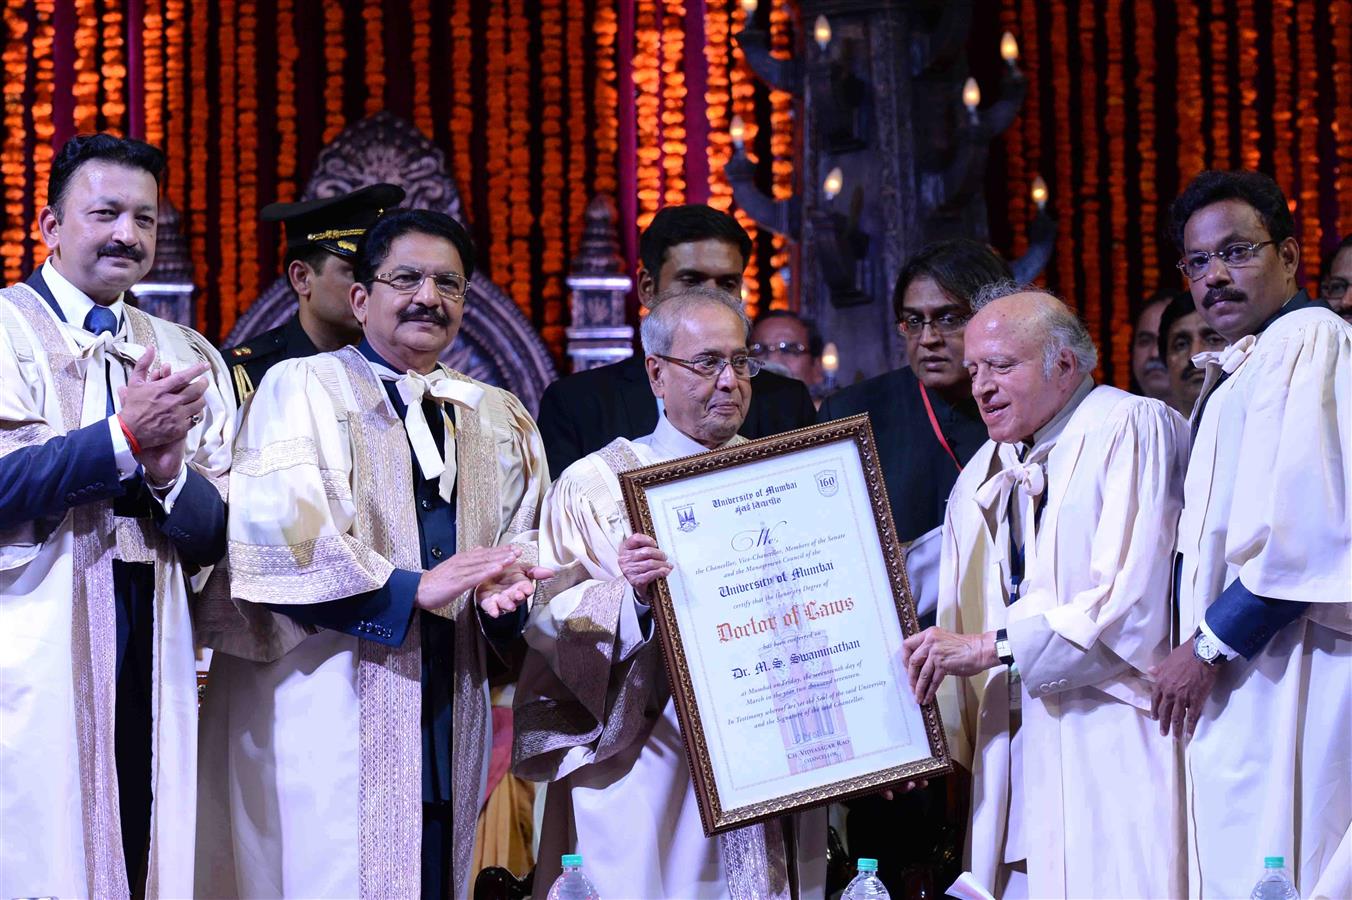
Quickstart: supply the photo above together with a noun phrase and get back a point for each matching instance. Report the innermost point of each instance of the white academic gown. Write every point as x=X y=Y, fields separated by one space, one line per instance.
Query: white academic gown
x=59 y=828
x=311 y=748
x=1267 y=496
x=627 y=806
x=1086 y=792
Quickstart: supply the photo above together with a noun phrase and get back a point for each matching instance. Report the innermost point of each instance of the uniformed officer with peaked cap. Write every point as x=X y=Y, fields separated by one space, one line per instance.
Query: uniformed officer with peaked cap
x=321 y=241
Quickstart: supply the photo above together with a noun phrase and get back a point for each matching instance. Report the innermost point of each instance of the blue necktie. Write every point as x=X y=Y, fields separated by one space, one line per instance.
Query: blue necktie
x=102 y=320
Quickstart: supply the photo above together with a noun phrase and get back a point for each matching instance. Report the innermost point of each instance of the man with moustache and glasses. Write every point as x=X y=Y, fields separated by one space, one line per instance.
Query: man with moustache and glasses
x=1258 y=686
x=115 y=431
x=384 y=539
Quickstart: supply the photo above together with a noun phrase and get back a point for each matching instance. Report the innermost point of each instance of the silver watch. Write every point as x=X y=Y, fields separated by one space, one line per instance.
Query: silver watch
x=1206 y=648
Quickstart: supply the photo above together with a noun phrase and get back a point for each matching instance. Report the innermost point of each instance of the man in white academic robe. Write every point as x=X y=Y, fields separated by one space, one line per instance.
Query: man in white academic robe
x=1053 y=605
x=115 y=431
x=1260 y=685
x=594 y=714
x=346 y=726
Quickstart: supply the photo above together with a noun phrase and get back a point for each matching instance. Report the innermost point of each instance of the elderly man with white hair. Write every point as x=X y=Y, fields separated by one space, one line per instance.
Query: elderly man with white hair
x=594 y=714
x=1054 y=603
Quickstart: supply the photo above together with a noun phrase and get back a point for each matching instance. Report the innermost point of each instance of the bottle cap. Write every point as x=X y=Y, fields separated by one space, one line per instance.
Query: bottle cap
x=1274 y=862
x=572 y=859
x=868 y=865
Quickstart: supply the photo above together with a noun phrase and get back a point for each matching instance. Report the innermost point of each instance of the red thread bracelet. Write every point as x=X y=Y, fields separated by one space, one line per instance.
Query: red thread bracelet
x=131 y=438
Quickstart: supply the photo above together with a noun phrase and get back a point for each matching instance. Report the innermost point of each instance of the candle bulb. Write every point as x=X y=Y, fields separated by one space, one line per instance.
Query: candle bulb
x=821 y=32
x=830 y=358
x=737 y=130
x=971 y=95
x=1039 y=192
x=835 y=180
x=1009 y=48
x=749 y=7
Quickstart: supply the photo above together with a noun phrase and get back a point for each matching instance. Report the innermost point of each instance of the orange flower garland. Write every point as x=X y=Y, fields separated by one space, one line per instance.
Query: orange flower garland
x=462 y=111
x=1283 y=108
x=334 y=56
x=288 y=53
x=373 y=53
x=1146 y=176
x=113 y=73
x=1249 y=137
x=175 y=128
x=86 y=88
x=716 y=100
x=742 y=87
x=421 y=13
x=518 y=197
x=153 y=72
x=551 y=248
x=605 y=28
x=12 y=162
x=673 y=132
x=647 y=103
x=1190 y=148
x=246 y=137
x=1220 y=84
x=44 y=128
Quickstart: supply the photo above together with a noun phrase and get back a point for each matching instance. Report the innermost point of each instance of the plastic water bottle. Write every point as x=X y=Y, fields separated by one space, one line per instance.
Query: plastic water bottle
x=1275 y=883
x=866 y=885
x=572 y=884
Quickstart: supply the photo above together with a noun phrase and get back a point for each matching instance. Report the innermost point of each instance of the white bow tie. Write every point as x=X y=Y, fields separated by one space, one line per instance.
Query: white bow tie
x=1228 y=358
x=1029 y=475
x=413 y=389
x=95 y=351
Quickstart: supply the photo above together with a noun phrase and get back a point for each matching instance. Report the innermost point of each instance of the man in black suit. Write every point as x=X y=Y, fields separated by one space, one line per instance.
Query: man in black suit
x=924 y=418
x=927 y=427
x=685 y=246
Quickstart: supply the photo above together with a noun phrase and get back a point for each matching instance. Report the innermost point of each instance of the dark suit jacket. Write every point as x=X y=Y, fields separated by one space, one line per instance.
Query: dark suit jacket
x=919 y=474
x=582 y=413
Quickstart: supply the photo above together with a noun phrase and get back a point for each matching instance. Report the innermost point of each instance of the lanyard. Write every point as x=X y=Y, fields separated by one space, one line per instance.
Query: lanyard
x=934 y=423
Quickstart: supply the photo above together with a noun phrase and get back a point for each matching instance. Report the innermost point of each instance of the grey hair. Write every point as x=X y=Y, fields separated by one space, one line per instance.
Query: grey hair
x=675 y=305
x=1063 y=329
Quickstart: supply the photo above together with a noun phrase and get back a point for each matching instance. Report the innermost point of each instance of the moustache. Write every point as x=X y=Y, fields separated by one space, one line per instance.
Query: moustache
x=1216 y=295
x=122 y=251
x=425 y=314
x=1155 y=364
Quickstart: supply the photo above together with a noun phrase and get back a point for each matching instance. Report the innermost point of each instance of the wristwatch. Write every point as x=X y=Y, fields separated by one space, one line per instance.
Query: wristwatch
x=1003 y=650
x=1207 y=649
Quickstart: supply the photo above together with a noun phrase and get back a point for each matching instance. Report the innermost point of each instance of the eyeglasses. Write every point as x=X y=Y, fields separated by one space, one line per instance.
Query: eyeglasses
x=946 y=324
x=789 y=348
x=710 y=366
x=1334 y=288
x=1195 y=265
x=450 y=285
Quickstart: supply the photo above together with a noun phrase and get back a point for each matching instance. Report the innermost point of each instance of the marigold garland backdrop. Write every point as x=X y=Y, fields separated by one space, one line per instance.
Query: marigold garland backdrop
x=1126 y=101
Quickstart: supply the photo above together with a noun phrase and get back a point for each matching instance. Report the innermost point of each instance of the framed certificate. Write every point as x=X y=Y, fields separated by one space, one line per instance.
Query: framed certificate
x=782 y=623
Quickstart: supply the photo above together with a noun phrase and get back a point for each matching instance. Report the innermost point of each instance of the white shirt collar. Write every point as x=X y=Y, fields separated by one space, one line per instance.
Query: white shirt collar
x=671 y=443
x=1046 y=435
x=74 y=303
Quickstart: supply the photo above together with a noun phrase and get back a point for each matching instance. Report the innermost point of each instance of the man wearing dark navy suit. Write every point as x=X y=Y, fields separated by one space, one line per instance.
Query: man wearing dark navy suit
x=683 y=246
x=321 y=242
x=114 y=444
